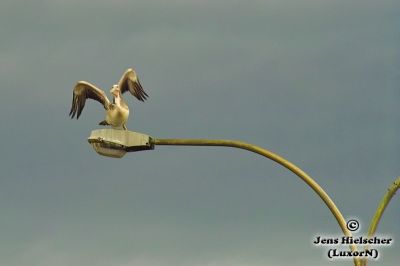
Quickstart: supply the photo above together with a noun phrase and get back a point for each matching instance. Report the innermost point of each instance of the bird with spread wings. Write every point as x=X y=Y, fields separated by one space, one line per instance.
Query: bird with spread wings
x=117 y=111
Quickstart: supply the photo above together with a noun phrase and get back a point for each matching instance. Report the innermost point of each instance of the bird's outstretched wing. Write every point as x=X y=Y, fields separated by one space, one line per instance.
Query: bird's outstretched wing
x=130 y=82
x=82 y=91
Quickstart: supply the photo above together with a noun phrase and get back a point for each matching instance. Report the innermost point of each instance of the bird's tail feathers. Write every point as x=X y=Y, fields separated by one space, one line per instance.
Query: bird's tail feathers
x=104 y=123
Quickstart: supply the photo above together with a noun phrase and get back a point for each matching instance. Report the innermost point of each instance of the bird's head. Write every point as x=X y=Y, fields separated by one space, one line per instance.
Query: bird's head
x=115 y=91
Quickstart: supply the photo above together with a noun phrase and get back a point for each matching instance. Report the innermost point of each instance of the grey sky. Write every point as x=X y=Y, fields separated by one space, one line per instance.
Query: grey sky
x=315 y=81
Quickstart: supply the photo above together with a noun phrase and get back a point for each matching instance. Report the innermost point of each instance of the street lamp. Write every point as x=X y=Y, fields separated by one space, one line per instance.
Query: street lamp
x=116 y=143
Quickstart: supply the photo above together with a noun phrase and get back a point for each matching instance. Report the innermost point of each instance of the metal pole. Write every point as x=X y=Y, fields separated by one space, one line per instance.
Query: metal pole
x=274 y=157
x=381 y=208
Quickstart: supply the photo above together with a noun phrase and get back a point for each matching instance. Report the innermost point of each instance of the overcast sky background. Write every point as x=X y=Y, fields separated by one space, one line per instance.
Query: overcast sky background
x=314 y=81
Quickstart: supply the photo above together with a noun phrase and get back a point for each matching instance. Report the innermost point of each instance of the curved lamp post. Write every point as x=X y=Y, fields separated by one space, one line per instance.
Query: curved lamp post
x=115 y=143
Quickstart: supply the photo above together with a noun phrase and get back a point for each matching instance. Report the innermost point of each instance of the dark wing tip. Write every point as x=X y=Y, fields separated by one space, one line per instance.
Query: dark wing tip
x=141 y=95
x=71 y=112
x=77 y=104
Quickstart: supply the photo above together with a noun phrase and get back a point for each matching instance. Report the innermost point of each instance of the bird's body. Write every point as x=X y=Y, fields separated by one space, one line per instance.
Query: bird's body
x=117 y=111
x=117 y=116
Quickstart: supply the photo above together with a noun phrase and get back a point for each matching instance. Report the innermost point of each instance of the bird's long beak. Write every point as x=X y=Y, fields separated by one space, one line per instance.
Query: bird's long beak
x=115 y=91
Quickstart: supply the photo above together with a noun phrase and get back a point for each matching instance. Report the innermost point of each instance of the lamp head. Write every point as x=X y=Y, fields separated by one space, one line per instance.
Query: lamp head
x=116 y=143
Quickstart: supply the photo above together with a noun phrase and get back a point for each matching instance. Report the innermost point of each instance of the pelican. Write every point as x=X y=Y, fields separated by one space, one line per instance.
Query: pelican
x=117 y=111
